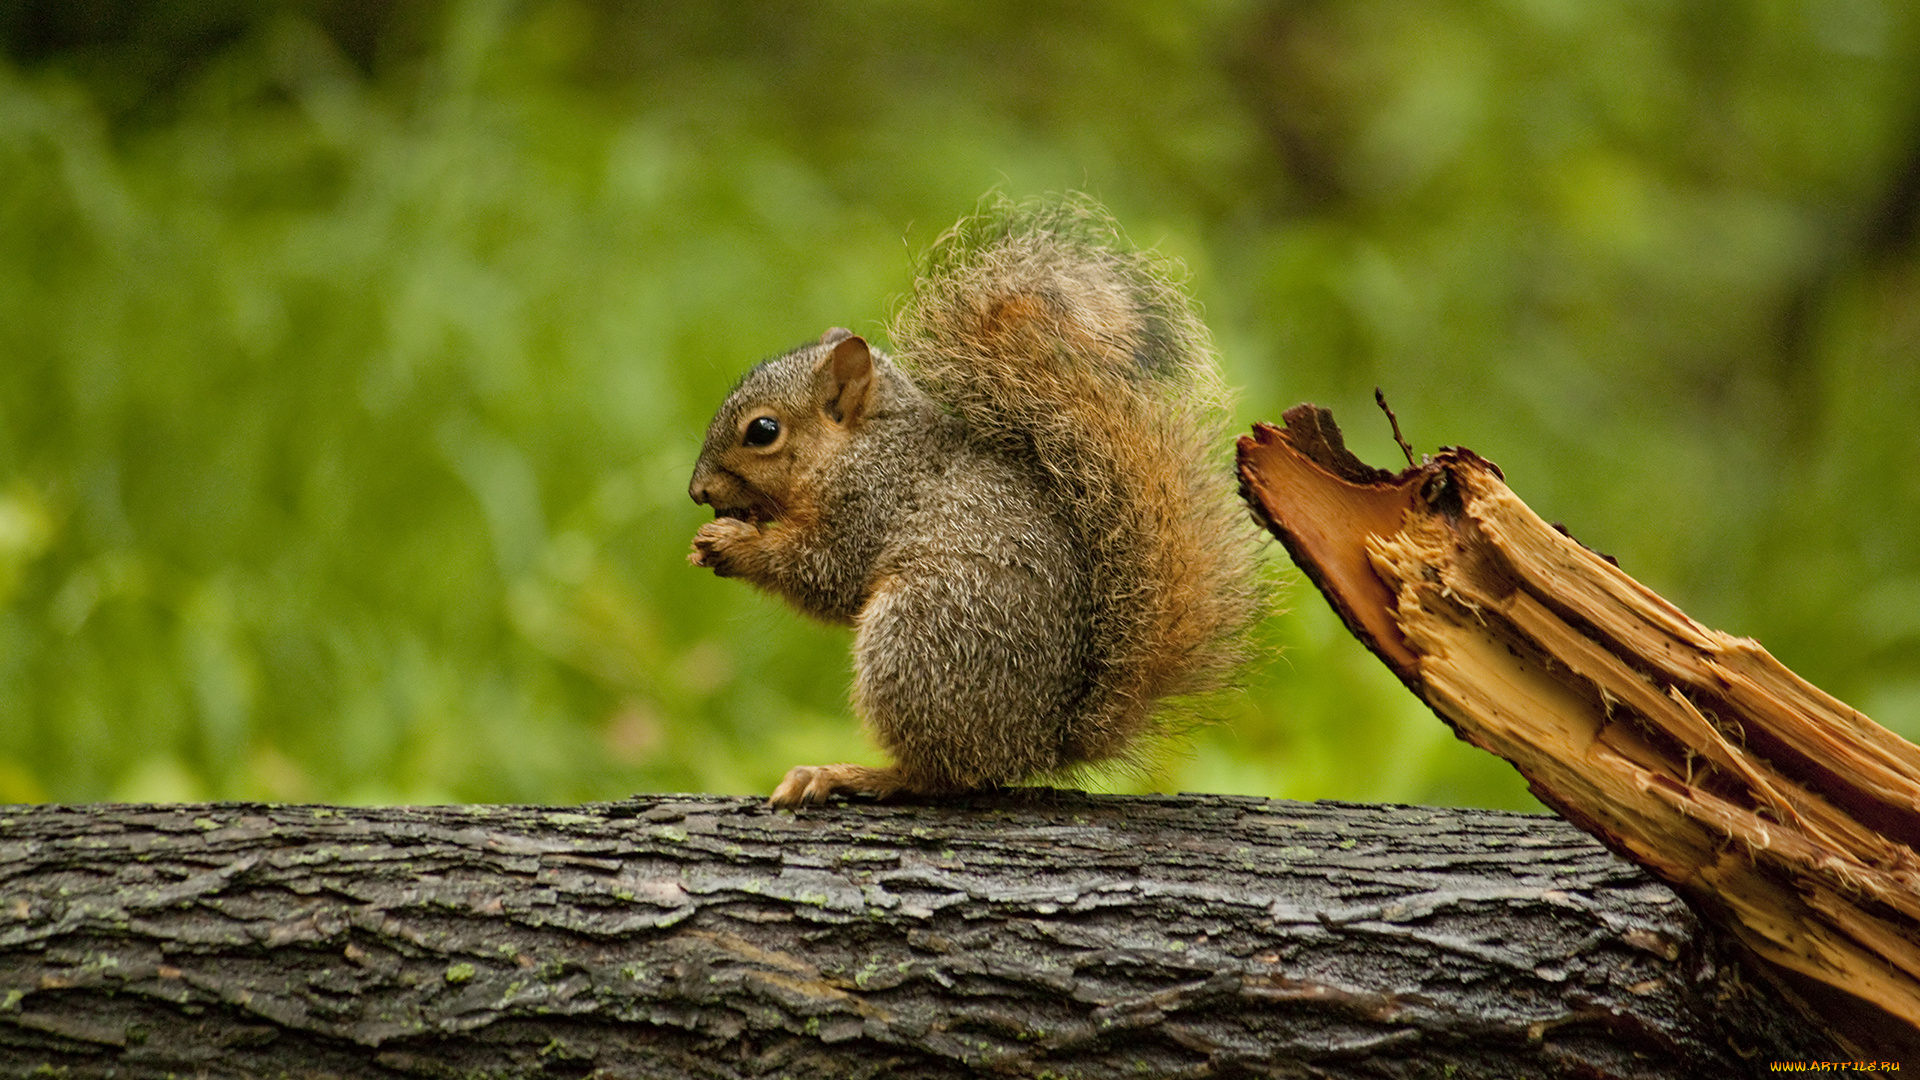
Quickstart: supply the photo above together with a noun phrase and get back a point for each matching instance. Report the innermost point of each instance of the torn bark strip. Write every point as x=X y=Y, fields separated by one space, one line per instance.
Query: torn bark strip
x=1777 y=810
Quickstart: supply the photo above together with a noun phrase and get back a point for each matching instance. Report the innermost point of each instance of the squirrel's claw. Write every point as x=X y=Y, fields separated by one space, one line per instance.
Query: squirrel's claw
x=803 y=785
x=806 y=785
x=712 y=543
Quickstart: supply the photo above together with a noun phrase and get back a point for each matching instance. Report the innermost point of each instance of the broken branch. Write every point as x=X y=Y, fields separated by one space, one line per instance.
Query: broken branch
x=1776 y=809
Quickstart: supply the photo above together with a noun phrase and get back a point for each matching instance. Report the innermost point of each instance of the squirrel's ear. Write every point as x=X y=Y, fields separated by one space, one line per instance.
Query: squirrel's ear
x=849 y=381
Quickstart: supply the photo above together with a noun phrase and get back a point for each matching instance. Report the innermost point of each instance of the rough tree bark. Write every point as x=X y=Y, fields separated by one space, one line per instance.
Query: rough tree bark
x=1030 y=933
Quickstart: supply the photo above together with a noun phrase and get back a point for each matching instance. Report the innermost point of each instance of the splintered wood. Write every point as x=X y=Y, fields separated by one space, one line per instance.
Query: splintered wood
x=1788 y=816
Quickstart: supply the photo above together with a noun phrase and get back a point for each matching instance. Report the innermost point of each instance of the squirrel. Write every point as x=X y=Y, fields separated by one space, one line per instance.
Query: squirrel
x=1024 y=512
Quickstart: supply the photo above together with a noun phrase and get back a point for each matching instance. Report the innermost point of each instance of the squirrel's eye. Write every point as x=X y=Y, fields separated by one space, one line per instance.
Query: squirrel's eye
x=762 y=431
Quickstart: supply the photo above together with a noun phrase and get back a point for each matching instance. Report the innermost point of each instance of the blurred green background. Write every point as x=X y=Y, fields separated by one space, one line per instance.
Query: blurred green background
x=354 y=354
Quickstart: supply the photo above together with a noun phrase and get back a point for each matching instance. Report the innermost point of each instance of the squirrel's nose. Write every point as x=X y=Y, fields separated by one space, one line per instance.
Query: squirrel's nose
x=697 y=489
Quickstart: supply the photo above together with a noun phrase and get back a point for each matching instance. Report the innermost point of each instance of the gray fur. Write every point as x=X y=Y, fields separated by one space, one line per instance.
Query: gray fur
x=1036 y=548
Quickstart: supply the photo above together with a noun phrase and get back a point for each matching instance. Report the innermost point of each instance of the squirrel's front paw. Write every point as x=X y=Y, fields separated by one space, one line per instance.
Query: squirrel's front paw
x=718 y=539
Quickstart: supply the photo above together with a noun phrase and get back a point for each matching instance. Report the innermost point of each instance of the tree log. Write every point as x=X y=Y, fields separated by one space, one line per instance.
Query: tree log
x=1777 y=810
x=1026 y=933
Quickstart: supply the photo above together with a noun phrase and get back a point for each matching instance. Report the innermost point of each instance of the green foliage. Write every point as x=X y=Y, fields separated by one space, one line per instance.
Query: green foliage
x=352 y=368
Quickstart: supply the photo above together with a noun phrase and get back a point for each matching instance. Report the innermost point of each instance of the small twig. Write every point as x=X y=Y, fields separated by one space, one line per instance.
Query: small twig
x=1380 y=399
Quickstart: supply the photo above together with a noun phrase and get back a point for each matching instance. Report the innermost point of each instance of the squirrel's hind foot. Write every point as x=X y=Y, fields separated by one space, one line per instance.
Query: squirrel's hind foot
x=806 y=785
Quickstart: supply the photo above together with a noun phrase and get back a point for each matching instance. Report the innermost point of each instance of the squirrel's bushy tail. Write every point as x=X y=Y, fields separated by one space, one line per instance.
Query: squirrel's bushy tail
x=1059 y=343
